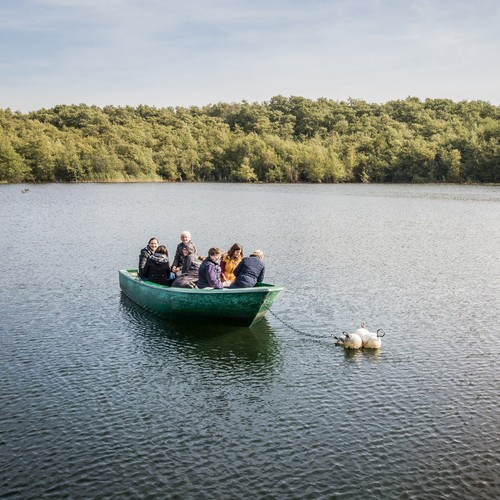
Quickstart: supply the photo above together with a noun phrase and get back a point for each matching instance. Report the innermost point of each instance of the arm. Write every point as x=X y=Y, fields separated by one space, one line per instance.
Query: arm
x=186 y=266
x=143 y=258
x=212 y=277
x=222 y=269
x=177 y=257
x=238 y=269
x=260 y=278
x=145 y=270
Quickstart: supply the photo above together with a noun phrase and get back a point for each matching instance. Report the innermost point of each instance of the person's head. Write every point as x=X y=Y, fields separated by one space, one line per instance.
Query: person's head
x=185 y=236
x=215 y=254
x=153 y=243
x=235 y=251
x=187 y=250
x=162 y=249
x=258 y=253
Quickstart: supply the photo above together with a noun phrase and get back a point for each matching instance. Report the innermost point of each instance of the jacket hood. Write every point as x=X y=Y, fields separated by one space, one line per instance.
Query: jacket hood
x=190 y=246
x=159 y=257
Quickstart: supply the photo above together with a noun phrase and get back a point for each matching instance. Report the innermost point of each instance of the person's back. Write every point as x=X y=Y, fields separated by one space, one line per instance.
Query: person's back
x=189 y=276
x=157 y=268
x=249 y=271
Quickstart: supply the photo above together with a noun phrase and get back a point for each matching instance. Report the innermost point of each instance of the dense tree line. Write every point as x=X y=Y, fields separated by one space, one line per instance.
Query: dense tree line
x=283 y=140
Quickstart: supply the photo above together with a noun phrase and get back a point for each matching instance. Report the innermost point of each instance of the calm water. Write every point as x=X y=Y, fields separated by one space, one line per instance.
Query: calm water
x=101 y=399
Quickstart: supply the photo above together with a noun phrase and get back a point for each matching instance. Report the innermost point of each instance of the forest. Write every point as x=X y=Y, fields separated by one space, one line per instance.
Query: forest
x=283 y=140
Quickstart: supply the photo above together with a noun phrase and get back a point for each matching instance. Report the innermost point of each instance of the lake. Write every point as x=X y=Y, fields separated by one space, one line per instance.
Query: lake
x=101 y=399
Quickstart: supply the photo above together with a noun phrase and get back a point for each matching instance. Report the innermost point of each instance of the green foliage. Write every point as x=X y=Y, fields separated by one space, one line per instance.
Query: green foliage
x=290 y=139
x=245 y=173
x=12 y=166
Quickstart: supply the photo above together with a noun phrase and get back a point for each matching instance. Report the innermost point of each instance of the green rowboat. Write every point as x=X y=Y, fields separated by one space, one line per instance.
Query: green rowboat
x=238 y=306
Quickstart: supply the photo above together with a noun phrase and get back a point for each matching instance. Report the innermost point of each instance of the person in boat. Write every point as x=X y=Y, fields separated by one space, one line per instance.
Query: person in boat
x=229 y=262
x=146 y=252
x=179 y=256
x=157 y=268
x=189 y=275
x=209 y=272
x=250 y=270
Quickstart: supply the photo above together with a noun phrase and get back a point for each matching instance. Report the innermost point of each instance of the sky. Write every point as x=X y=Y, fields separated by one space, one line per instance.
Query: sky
x=198 y=52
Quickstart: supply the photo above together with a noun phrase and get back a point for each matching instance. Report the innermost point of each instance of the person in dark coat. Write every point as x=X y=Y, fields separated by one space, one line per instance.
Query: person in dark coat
x=249 y=271
x=189 y=276
x=209 y=272
x=157 y=268
x=146 y=252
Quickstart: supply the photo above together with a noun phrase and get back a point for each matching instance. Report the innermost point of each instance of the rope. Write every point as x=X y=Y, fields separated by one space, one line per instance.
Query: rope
x=296 y=330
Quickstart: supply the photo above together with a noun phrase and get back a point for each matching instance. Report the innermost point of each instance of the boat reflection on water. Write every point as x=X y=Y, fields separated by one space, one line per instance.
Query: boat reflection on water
x=252 y=348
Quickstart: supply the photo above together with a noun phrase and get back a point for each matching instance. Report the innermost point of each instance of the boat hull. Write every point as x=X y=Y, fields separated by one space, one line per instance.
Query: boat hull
x=239 y=306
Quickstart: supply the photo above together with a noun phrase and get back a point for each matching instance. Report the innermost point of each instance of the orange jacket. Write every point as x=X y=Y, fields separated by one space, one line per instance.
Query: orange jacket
x=228 y=266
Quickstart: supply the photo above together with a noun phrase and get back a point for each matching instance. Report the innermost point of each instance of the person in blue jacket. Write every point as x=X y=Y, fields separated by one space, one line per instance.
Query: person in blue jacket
x=250 y=270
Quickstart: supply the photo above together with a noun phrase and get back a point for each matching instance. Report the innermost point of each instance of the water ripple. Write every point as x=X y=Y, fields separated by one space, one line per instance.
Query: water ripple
x=100 y=399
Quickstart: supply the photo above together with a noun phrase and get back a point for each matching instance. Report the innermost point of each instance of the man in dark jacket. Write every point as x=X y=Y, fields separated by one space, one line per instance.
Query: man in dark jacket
x=249 y=271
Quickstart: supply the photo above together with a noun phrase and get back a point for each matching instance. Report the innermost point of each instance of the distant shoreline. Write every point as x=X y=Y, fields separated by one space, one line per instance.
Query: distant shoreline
x=285 y=140
x=31 y=184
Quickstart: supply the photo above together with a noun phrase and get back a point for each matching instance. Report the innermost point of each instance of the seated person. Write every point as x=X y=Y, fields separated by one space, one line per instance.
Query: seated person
x=250 y=271
x=157 y=268
x=179 y=257
x=189 y=276
x=230 y=260
x=209 y=272
x=146 y=252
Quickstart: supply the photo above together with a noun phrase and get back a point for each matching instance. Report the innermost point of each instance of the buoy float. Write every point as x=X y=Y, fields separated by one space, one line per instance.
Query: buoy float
x=362 y=337
x=350 y=341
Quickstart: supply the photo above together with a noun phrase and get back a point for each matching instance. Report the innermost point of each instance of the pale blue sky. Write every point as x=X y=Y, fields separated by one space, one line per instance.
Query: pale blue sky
x=197 y=52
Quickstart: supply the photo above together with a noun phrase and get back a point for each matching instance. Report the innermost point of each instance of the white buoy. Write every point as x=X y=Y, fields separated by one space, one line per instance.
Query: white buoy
x=373 y=340
x=362 y=337
x=340 y=340
x=362 y=331
x=350 y=341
